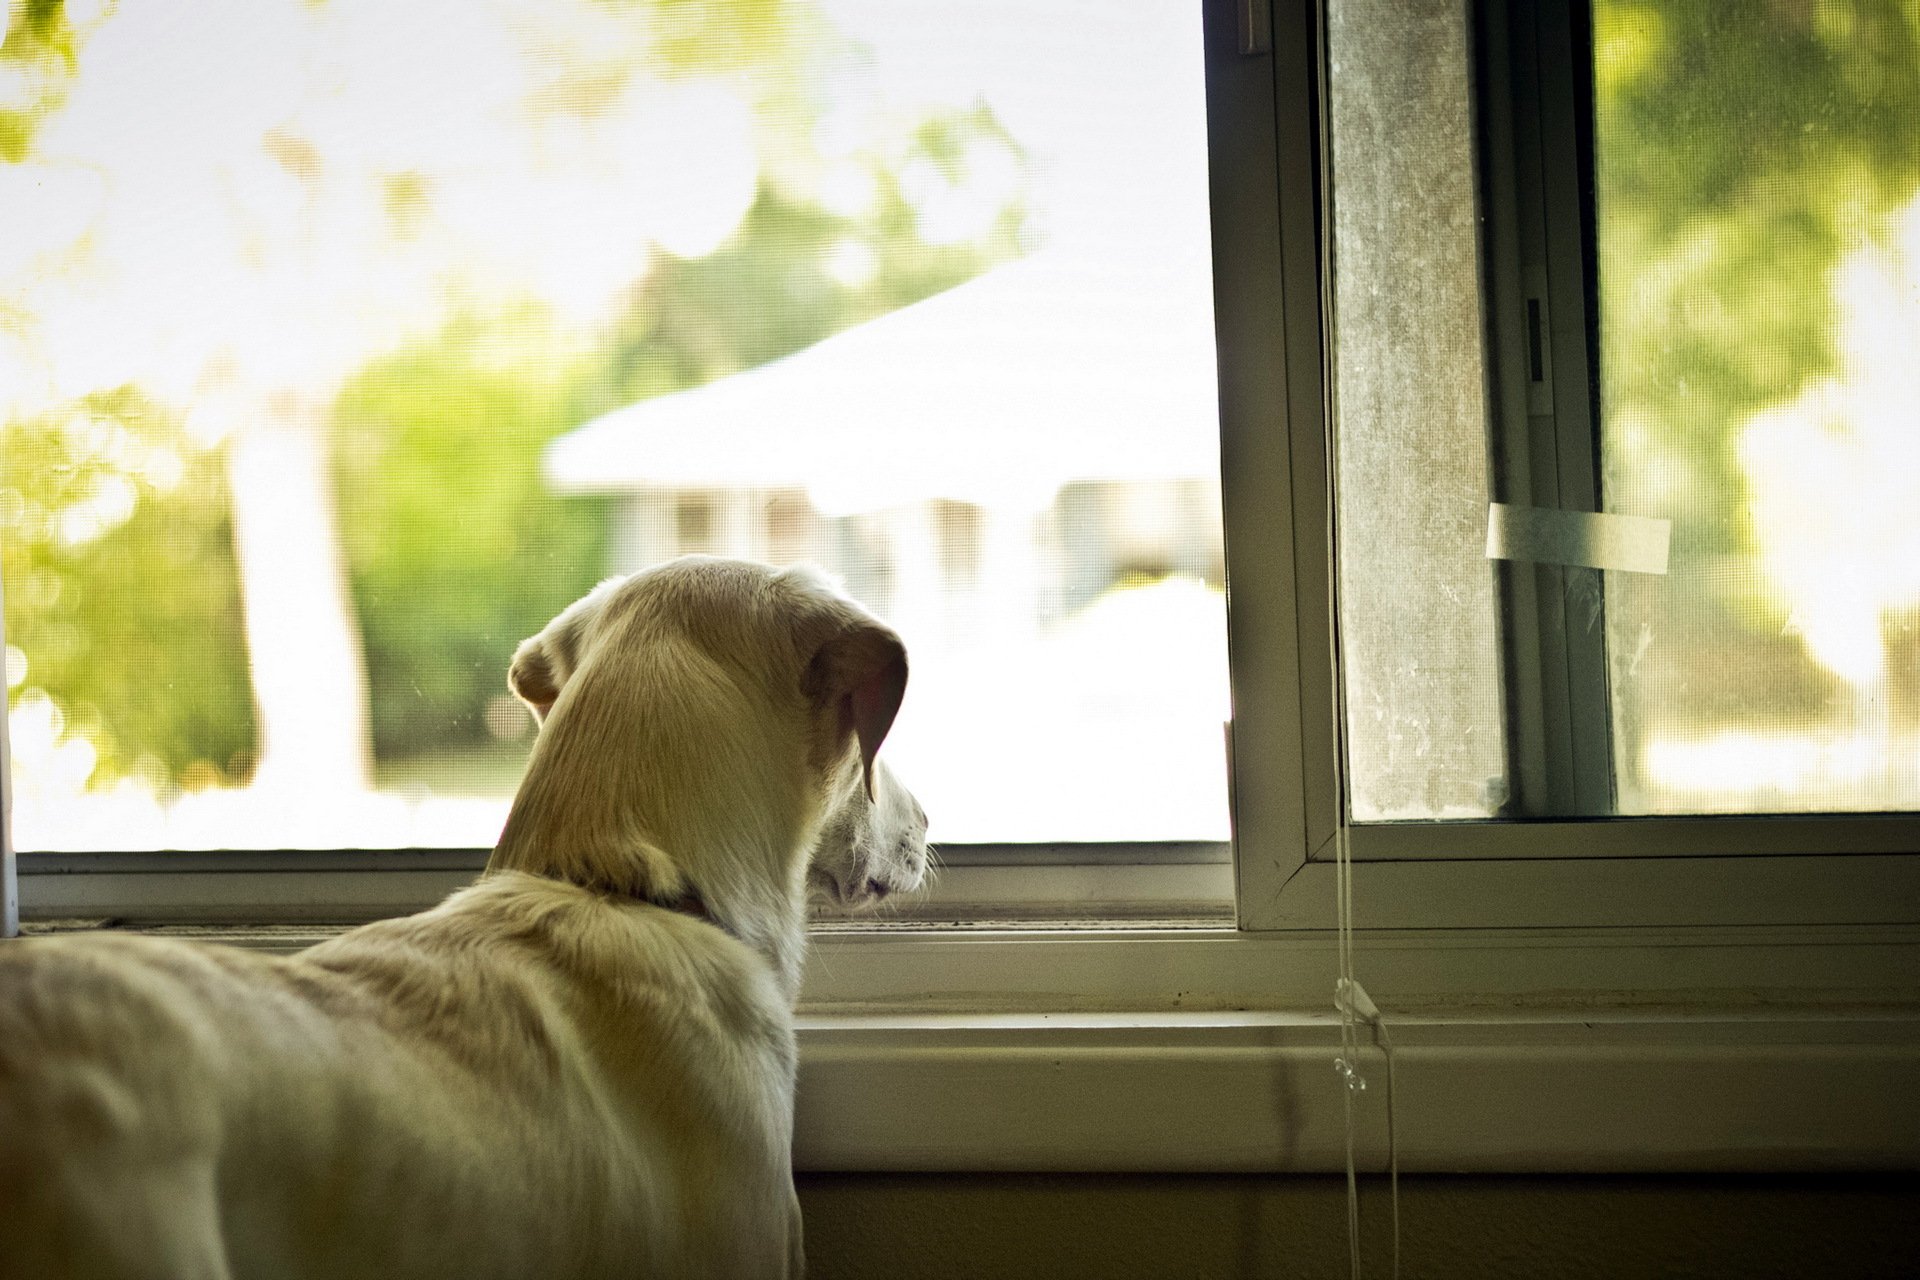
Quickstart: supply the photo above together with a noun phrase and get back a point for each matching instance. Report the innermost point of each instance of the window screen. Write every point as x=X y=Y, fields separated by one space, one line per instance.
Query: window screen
x=343 y=344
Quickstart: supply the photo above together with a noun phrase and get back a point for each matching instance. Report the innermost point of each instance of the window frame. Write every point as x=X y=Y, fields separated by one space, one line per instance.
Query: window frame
x=1539 y=354
x=1186 y=884
x=1704 y=871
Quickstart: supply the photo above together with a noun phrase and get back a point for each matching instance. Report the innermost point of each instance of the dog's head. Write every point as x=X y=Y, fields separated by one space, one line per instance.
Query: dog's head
x=870 y=845
x=740 y=688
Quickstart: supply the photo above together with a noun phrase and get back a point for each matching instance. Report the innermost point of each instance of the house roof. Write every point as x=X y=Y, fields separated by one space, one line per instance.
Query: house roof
x=998 y=391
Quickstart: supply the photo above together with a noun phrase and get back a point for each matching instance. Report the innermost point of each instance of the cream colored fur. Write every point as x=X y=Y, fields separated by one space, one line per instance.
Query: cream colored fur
x=547 y=1075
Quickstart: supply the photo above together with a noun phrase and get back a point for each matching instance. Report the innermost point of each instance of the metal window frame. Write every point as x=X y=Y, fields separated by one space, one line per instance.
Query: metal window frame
x=1179 y=884
x=1823 y=870
x=1544 y=437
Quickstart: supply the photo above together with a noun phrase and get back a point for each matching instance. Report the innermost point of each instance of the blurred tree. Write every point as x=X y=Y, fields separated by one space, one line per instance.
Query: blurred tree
x=38 y=56
x=456 y=550
x=669 y=213
x=122 y=602
x=1742 y=150
x=1746 y=153
x=798 y=271
x=121 y=610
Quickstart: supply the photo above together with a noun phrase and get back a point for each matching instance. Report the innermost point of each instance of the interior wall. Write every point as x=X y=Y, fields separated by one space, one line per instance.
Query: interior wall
x=1230 y=1227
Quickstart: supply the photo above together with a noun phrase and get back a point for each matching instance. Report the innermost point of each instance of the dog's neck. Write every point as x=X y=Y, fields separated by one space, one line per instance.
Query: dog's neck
x=690 y=904
x=604 y=808
x=771 y=923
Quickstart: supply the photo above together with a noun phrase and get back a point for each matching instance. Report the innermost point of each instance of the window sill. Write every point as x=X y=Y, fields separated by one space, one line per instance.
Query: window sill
x=1207 y=1050
x=1603 y=1051
x=1188 y=882
x=1585 y=1091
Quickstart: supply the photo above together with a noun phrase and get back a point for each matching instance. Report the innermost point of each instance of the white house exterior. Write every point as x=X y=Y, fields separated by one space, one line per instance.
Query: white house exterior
x=998 y=454
x=1002 y=471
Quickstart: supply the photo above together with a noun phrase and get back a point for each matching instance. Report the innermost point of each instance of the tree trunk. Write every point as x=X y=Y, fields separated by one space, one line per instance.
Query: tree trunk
x=309 y=678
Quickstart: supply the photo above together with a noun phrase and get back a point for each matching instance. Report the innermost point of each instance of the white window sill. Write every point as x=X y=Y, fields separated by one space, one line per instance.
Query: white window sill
x=1192 y=1050
x=1592 y=1092
x=1209 y=1050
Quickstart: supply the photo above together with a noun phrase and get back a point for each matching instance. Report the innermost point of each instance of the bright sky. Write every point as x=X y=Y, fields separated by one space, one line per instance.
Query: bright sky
x=1101 y=94
x=199 y=246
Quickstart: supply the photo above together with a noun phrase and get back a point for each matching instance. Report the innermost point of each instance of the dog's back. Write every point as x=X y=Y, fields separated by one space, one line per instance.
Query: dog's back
x=107 y=1143
x=581 y=1066
x=573 y=1081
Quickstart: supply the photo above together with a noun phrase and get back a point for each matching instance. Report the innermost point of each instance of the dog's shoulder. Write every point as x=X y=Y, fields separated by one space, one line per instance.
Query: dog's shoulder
x=599 y=955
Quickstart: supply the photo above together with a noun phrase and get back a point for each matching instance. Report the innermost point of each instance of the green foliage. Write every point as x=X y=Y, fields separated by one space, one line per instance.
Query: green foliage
x=1743 y=150
x=702 y=36
x=122 y=594
x=40 y=51
x=456 y=550
x=770 y=292
x=772 y=289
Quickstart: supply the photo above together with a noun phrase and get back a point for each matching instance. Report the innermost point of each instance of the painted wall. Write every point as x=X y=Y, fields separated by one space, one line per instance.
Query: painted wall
x=1102 y=1227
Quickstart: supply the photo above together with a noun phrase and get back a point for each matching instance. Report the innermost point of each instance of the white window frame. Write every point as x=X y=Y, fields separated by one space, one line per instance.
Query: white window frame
x=1559 y=1001
x=1839 y=870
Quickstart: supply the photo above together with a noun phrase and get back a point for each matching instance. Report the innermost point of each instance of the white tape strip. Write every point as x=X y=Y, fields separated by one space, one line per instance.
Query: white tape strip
x=1592 y=540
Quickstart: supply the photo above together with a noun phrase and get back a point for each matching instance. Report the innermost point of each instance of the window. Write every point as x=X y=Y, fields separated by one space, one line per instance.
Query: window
x=332 y=373
x=1479 y=346
x=1427 y=287
x=1658 y=251
x=1165 y=1045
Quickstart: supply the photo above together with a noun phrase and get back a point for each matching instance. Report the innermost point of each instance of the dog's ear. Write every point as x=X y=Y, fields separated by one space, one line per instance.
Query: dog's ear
x=532 y=677
x=543 y=664
x=859 y=675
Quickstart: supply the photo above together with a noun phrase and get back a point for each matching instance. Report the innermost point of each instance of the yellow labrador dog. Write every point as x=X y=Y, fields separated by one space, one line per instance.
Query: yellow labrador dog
x=582 y=1065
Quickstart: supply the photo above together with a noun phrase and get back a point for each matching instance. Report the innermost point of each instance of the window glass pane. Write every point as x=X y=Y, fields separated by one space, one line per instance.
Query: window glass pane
x=1655 y=260
x=342 y=344
x=1759 y=251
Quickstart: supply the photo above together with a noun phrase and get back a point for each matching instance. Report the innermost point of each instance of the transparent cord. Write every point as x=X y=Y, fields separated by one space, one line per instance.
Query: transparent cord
x=1355 y=1007
x=1348 y=1063
x=1349 y=997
